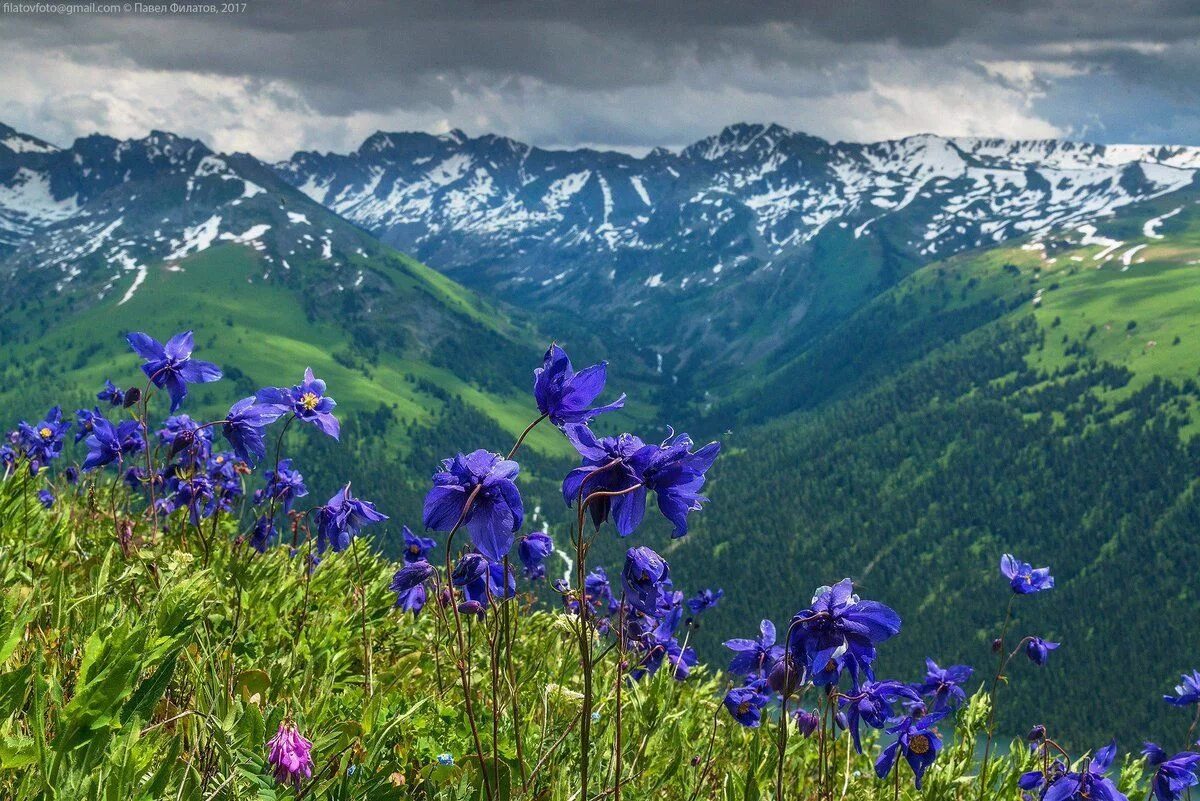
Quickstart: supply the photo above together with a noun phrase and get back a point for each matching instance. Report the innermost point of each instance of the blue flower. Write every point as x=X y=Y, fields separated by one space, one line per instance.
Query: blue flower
x=306 y=400
x=839 y=631
x=917 y=740
x=1172 y=775
x=807 y=722
x=283 y=486
x=409 y=585
x=608 y=466
x=196 y=494
x=564 y=395
x=83 y=422
x=872 y=704
x=45 y=498
x=341 y=519
x=944 y=685
x=416 y=549
x=704 y=600
x=42 y=443
x=111 y=393
x=171 y=365
x=181 y=434
x=244 y=424
x=532 y=549
x=1038 y=650
x=446 y=760
x=262 y=534
x=626 y=464
x=643 y=578
x=1023 y=577
x=755 y=657
x=496 y=513
x=104 y=447
x=676 y=475
x=1089 y=785
x=745 y=704
x=1187 y=692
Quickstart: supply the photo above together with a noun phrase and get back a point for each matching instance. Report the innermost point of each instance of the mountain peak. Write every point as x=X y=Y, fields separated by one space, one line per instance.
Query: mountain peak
x=18 y=142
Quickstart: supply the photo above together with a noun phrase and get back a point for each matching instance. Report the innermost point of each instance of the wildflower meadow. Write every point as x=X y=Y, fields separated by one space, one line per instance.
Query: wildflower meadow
x=181 y=618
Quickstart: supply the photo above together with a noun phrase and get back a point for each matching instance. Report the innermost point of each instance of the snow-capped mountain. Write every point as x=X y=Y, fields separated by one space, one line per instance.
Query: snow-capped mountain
x=780 y=215
x=93 y=218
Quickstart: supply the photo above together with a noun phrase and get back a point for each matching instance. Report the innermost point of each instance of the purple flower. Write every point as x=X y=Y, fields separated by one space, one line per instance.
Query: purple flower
x=745 y=704
x=1090 y=785
x=496 y=513
x=45 y=498
x=608 y=466
x=284 y=485
x=306 y=400
x=244 y=425
x=944 y=685
x=104 y=446
x=643 y=578
x=171 y=365
x=1023 y=577
x=196 y=494
x=42 y=443
x=416 y=549
x=1187 y=692
x=111 y=393
x=755 y=657
x=564 y=395
x=409 y=585
x=807 y=722
x=704 y=600
x=872 y=704
x=839 y=631
x=532 y=549
x=262 y=534
x=290 y=756
x=1172 y=775
x=341 y=519
x=917 y=740
x=598 y=591
x=83 y=422
x=676 y=475
x=1038 y=650
x=181 y=434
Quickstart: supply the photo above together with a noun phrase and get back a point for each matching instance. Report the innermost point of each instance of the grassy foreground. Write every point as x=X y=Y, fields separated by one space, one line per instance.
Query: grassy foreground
x=132 y=670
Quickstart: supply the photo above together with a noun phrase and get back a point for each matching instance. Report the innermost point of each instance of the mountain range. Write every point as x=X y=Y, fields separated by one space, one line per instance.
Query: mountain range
x=918 y=353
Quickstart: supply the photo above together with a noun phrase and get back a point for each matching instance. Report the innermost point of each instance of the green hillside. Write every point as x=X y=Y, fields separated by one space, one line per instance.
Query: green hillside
x=428 y=361
x=952 y=420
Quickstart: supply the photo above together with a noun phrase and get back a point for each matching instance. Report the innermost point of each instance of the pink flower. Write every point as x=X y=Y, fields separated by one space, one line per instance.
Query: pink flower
x=291 y=755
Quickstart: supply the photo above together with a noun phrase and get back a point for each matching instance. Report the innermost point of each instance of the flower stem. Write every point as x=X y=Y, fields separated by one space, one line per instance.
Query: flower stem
x=362 y=594
x=991 y=723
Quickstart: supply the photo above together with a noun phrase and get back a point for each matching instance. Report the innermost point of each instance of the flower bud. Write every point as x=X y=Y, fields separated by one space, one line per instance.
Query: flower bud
x=1037 y=734
x=132 y=396
x=997 y=644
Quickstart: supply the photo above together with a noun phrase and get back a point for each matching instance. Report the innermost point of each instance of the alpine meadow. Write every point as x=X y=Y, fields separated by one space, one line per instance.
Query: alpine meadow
x=639 y=463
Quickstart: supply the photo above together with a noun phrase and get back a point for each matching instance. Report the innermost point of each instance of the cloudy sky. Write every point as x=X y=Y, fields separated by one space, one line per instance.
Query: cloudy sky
x=324 y=74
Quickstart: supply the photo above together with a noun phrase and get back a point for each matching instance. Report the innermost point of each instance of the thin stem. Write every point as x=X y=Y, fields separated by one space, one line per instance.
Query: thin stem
x=1188 y=744
x=517 y=445
x=991 y=724
x=618 y=751
x=362 y=593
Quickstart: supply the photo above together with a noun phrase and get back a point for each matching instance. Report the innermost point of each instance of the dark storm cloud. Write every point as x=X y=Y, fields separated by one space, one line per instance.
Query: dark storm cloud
x=419 y=60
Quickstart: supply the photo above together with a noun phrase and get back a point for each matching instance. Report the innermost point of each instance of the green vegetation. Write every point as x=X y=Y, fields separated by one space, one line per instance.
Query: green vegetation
x=138 y=670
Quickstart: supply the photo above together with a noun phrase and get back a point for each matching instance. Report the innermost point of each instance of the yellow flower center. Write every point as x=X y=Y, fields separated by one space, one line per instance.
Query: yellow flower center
x=743 y=707
x=309 y=401
x=46 y=433
x=919 y=744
